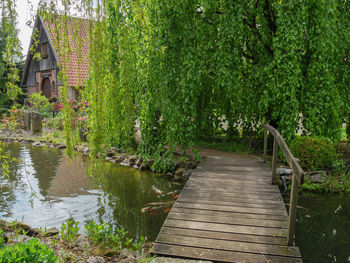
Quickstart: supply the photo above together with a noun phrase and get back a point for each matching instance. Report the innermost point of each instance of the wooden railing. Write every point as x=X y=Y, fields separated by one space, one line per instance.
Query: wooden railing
x=297 y=174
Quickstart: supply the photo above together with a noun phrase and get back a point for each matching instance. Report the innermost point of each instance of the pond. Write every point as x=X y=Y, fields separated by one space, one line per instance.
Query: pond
x=323 y=227
x=46 y=188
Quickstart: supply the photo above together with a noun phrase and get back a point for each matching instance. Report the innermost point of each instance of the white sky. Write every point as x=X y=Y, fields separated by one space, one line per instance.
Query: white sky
x=26 y=10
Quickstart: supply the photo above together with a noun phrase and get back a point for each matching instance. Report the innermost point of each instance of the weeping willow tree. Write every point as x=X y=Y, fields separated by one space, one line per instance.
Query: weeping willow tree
x=181 y=68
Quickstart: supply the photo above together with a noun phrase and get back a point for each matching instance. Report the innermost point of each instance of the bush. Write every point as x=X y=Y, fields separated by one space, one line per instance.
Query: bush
x=30 y=251
x=315 y=153
x=39 y=102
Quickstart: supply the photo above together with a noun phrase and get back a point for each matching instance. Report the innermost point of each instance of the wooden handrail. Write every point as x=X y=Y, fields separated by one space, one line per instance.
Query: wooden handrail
x=297 y=174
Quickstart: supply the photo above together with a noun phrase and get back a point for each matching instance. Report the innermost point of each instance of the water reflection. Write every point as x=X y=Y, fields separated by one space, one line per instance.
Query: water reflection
x=323 y=228
x=46 y=188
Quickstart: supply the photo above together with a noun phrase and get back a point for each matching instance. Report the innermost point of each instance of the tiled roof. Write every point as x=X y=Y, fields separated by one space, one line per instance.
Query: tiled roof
x=78 y=37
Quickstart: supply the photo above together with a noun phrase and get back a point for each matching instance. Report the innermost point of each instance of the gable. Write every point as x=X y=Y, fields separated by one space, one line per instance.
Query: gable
x=78 y=65
x=34 y=65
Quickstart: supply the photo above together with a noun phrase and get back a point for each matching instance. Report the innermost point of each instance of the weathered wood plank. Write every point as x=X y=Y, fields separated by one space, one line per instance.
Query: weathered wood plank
x=196 y=200
x=219 y=255
x=264 y=211
x=274 y=232
x=190 y=211
x=235 y=246
x=231 y=220
x=213 y=194
x=231 y=200
x=224 y=236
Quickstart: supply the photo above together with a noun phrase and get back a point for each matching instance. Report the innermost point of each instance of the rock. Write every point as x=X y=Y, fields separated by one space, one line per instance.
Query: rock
x=81 y=242
x=13 y=238
x=104 y=252
x=36 y=144
x=283 y=171
x=190 y=165
x=177 y=260
x=129 y=259
x=33 y=232
x=125 y=162
x=50 y=232
x=19 y=227
x=317 y=178
x=108 y=158
x=95 y=259
x=135 y=166
x=125 y=253
x=132 y=159
x=61 y=146
x=111 y=152
x=143 y=167
x=138 y=162
x=179 y=173
x=169 y=175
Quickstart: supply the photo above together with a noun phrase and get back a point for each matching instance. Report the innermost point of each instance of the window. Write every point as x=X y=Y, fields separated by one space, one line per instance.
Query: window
x=44 y=50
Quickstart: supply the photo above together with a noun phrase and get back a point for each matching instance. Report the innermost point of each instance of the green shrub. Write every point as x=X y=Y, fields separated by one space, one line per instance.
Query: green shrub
x=69 y=231
x=30 y=251
x=39 y=102
x=315 y=153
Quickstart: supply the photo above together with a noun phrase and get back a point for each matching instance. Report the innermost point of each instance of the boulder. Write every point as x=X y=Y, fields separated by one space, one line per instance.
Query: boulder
x=33 y=232
x=125 y=253
x=50 y=232
x=81 y=242
x=132 y=159
x=104 y=252
x=129 y=259
x=138 y=162
x=95 y=259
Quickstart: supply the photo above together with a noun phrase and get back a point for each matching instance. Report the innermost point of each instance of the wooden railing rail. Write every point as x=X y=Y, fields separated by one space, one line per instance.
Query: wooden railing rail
x=297 y=174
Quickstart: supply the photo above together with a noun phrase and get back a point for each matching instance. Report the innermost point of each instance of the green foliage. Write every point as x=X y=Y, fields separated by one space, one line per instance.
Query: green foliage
x=30 y=251
x=69 y=230
x=103 y=235
x=315 y=153
x=39 y=102
x=183 y=68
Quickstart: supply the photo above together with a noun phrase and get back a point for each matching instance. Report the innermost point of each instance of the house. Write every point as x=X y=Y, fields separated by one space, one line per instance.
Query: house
x=42 y=75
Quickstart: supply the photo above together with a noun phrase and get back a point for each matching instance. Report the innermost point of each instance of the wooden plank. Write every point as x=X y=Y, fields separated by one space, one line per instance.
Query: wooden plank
x=193 y=196
x=264 y=211
x=230 y=189
x=214 y=194
x=196 y=200
x=190 y=211
x=235 y=246
x=219 y=255
x=224 y=235
x=231 y=220
x=227 y=228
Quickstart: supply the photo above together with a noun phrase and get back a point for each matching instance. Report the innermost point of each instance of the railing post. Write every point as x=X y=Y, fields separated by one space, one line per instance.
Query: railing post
x=274 y=159
x=265 y=145
x=292 y=210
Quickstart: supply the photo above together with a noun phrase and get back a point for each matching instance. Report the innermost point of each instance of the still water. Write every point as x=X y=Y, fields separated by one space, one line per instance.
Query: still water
x=46 y=188
x=323 y=228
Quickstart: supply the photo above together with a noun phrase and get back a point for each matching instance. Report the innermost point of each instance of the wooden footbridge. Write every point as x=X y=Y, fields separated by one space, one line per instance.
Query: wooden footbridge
x=230 y=211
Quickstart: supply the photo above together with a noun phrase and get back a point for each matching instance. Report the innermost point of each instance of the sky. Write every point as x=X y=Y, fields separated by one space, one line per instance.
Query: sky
x=26 y=10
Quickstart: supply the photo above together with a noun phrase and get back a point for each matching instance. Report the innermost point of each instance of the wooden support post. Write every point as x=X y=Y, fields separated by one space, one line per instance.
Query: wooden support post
x=265 y=146
x=292 y=210
x=274 y=159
